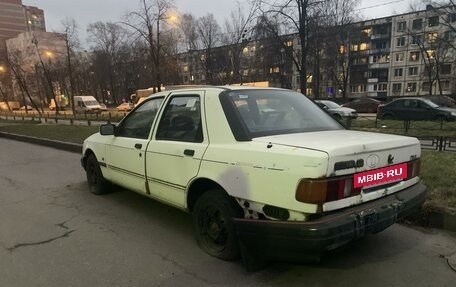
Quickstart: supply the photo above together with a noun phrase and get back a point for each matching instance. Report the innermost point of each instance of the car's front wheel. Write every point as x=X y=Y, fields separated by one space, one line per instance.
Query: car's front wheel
x=213 y=224
x=97 y=183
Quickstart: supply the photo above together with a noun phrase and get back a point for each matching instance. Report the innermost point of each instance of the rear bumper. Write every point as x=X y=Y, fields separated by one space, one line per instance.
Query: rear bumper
x=292 y=240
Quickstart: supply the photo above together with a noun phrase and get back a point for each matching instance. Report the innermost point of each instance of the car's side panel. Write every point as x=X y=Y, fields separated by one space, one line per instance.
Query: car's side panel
x=252 y=171
x=125 y=158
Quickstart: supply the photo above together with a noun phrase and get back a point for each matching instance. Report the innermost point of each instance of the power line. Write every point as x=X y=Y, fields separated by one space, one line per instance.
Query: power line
x=378 y=5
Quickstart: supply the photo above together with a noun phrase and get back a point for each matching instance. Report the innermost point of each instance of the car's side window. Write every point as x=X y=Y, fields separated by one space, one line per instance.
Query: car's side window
x=139 y=122
x=181 y=120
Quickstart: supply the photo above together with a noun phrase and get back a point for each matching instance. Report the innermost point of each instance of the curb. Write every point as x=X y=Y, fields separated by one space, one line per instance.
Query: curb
x=442 y=218
x=71 y=147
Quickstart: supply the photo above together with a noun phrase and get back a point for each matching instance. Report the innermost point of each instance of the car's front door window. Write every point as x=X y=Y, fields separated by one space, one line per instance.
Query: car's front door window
x=139 y=122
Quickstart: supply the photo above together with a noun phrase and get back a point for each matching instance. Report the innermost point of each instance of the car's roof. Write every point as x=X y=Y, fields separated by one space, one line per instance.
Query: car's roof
x=220 y=88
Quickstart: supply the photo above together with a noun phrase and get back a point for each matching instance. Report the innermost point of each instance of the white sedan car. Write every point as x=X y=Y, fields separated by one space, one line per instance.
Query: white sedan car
x=264 y=172
x=336 y=110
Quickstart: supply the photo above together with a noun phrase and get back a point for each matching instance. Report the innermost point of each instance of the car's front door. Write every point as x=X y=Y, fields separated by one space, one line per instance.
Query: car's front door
x=125 y=153
x=176 y=149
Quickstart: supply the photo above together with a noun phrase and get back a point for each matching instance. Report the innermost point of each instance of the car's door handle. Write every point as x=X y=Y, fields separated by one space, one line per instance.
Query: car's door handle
x=189 y=152
x=138 y=146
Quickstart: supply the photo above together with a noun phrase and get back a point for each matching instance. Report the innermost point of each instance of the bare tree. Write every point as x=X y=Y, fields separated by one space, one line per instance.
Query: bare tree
x=209 y=33
x=15 y=62
x=71 y=42
x=294 y=16
x=108 y=38
x=145 y=22
x=189 y=27
x=236 y=36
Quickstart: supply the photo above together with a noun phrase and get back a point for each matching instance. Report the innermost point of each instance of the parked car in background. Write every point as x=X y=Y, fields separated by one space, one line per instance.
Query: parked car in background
x=103 y=108
x=26 y=107
x=443 y=101
x=125 y=107
x=264 y=167
x=415 y=108
x=336 y=110
x=363 y=105
x=86 y=104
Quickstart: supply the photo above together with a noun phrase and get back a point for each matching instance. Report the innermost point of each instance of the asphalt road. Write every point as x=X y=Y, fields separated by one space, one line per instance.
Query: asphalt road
x=53 y=232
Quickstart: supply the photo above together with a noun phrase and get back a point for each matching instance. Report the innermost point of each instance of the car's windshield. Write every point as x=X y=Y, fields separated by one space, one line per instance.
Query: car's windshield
x=430 y=103
x=331 y=105
x=91 y=103
x=272 y=112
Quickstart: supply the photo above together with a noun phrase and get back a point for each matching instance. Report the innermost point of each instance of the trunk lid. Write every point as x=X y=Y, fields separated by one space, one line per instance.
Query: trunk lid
x=352 y=151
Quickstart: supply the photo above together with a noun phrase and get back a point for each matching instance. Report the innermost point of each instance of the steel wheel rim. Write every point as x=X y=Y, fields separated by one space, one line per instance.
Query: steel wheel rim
x=213 y=228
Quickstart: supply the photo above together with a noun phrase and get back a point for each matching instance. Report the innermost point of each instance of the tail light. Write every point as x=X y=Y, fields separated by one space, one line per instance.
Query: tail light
x=319 y=191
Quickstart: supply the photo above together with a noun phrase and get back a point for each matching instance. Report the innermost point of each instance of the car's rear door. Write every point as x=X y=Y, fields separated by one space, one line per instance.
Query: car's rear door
x=125 y=152
x=177 y=147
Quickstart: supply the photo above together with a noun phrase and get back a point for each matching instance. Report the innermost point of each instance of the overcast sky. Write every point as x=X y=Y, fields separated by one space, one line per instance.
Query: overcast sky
x=90 y=11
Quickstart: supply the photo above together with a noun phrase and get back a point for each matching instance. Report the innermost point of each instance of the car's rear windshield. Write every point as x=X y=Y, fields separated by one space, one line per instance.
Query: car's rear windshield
x=272 y=112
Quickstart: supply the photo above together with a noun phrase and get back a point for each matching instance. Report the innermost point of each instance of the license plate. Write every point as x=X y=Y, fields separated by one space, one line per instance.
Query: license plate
x=380 y=176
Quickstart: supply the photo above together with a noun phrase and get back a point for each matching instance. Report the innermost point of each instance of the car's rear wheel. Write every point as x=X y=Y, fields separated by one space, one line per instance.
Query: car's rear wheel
x=97 y=183
x=213 y=224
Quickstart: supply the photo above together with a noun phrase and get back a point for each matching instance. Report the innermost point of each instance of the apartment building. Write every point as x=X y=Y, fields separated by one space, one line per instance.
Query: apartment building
x=16 y=18
x=401 y=55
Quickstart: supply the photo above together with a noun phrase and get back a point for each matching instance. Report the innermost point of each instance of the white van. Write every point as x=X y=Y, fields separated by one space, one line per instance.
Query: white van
x=86 y=104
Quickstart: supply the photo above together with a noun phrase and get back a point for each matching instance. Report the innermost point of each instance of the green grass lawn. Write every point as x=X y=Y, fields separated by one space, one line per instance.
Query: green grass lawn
x=438 y=169
x=67 y=133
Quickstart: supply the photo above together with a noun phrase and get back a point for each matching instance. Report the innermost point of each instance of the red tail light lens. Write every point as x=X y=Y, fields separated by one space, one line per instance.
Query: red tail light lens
x=320 y=191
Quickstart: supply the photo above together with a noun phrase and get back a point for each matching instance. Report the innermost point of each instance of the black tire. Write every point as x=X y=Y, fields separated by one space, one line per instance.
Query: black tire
x=97 y=183
x=213 y=224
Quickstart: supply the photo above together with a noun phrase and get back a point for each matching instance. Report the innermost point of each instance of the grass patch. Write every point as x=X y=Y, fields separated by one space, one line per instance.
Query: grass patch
x=66 y=133
x=438 y=173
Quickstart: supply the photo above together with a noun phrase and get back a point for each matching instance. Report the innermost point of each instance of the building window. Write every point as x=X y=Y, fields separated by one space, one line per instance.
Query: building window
x=397 y=87
x=426 y=86
x=363 y=46
x=417 y=39
x=414 y=56
x=398 y=72
x=366 y=32
x=399 y=57
x=185 y=68
x=413 y=71
x=411 y=87
x=445 y=69
x=400 y=42
x=381 y=45
x=432 y=37
x=445 y=85
x=401 y=26
x=380 y=58
x=380 y=87
x=430 y=54
x=433 y=21
x=417 y=24
x=342 y=49
x=452 y=17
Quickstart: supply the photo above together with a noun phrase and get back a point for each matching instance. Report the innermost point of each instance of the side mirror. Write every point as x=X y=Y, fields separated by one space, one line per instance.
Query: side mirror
x=107 y=129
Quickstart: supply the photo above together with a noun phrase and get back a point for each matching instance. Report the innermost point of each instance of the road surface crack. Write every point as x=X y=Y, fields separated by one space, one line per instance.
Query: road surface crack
x=66 y=234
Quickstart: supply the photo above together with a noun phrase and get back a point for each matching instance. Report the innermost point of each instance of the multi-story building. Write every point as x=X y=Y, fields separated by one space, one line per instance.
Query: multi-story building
x=401 y=55
x=16 y=18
